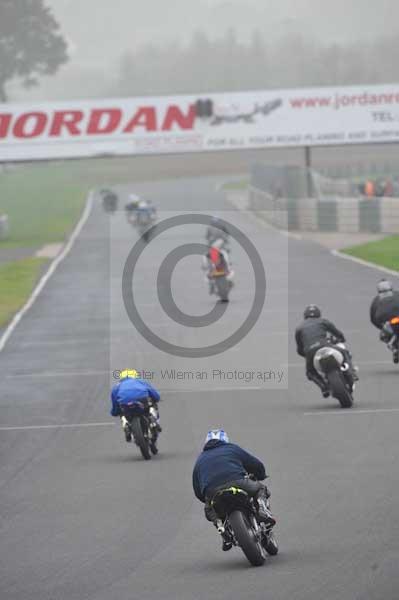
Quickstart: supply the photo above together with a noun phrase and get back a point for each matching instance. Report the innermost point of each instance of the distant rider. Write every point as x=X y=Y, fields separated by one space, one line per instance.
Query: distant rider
x=145 y=214
x=314 y=333
x=131 y=389
x=131 y=207
x=216 y=262
x=383 y=309
x=222 y=464
x=109 y=199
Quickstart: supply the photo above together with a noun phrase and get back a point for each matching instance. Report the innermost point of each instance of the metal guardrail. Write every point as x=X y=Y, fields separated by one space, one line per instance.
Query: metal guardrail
x=4 y=227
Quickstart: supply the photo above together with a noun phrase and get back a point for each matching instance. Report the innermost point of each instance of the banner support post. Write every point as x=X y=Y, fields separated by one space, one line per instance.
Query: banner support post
x=308 y=166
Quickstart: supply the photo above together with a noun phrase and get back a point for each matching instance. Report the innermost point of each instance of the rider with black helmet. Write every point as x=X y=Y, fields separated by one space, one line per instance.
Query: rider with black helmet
x=311 y=335
x=385 y=307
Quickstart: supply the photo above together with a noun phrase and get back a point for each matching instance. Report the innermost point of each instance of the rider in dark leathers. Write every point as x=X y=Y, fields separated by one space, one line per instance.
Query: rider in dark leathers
x=385 y=307
x=222 y=464
x=311 y=335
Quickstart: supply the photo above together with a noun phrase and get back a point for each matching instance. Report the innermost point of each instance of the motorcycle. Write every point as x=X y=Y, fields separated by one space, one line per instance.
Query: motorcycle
x=110 y=202
x=144 y=223
x=331 y=363
x=222 y=283
x=390 y=336
x=239 y=525
x=141 y=423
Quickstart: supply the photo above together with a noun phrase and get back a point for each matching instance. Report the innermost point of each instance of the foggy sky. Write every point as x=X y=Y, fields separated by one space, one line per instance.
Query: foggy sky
x=100 y=31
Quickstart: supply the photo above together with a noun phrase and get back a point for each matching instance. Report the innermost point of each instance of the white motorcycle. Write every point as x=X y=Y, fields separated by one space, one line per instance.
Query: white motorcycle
x=331 y=363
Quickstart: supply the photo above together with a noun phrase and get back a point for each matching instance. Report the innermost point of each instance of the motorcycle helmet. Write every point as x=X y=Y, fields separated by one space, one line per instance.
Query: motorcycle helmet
x=129 y=374
x=218 y=244
x=385 y=287
x=312 y=312
x=217 y=434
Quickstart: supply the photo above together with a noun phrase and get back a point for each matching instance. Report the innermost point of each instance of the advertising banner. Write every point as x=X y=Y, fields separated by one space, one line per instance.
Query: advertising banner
x=199 y=123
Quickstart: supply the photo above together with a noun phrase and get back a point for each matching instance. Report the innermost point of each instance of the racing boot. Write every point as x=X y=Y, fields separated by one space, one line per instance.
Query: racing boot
x=155 y=415
x=126 y=429
x=264 y=513
x=319 y=381
x=227 y=543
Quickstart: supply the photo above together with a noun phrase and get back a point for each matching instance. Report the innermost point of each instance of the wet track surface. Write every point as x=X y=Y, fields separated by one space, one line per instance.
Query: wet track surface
x=84 y=517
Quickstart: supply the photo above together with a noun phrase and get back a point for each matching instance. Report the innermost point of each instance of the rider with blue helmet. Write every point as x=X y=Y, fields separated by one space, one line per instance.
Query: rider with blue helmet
x=222 y=464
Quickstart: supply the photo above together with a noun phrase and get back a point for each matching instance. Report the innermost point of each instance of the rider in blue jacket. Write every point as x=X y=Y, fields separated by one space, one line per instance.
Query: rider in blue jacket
x=129 y=390
x=222 y=464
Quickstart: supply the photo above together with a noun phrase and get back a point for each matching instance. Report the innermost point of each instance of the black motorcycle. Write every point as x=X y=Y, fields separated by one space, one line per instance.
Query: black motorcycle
x=239 y=525
x=390 y=336
x=331 y=363
x=222 y=286
x=142 y=425
x=110 y=202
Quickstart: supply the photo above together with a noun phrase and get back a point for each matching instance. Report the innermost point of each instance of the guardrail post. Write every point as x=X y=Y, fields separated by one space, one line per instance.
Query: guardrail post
x=308 y=165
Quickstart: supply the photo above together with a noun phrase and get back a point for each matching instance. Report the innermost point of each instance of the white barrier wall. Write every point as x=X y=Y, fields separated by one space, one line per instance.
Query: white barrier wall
x=346 y=215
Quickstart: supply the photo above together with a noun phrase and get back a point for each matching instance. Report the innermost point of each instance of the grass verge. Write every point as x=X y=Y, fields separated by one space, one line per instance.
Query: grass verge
x=231 y=186
x=383 y=252
x=43 y=204
x=17 y=280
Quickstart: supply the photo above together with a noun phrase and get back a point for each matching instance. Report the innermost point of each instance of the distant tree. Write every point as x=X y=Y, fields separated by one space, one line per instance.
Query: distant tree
x=30 y=43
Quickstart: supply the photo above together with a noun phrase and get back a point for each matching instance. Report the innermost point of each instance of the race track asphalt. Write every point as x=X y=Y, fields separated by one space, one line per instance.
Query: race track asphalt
x=84 y=517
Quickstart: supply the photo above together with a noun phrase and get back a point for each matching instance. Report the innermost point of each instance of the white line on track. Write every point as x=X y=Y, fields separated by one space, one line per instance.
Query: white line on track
x=359 y=363
x=50 y=374
x=67 y=248
x=56 y=374
x=204 y=389
x=355 y=411
x=61 y=426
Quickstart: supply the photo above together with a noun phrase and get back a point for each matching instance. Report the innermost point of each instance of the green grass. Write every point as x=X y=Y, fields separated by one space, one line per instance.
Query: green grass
x=384 y=252
x=43 y=201
x=236 y=185
x=17 y=280
x=42 y=204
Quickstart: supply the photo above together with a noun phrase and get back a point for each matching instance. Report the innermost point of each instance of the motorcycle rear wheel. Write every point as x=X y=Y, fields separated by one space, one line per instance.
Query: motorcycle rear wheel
x=339 y=389
x=223 y=288
x=139 y=438
x=246 y=538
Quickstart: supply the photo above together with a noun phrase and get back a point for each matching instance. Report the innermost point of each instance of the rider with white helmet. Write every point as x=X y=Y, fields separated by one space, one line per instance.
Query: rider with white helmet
x=222 y=464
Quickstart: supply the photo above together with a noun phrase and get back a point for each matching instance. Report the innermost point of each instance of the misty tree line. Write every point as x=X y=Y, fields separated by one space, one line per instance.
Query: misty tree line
x=32 y=45
x=228 y=64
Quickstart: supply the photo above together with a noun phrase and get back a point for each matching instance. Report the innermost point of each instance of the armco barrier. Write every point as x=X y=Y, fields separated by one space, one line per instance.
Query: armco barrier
x=347 y=215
